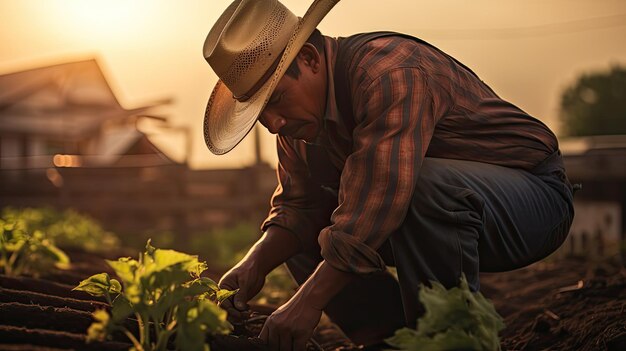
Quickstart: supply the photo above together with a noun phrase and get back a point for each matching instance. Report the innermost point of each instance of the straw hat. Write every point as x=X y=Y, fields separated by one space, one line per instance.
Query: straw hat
x=250 y=47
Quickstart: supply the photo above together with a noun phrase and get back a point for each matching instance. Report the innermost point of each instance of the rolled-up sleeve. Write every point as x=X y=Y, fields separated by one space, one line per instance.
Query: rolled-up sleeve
x=299 y=204
x=395 y=123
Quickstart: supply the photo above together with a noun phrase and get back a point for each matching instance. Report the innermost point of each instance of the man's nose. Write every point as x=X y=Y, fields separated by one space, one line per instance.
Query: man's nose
x=272 y=122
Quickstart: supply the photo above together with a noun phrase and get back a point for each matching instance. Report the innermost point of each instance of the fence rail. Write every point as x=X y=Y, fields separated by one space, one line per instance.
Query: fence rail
x=125 y=199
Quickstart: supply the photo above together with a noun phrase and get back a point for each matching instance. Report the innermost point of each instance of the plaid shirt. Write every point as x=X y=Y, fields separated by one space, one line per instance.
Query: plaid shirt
x=409 y=101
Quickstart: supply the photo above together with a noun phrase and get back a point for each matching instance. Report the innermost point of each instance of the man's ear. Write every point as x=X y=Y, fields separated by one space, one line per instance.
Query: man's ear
x=310 y=57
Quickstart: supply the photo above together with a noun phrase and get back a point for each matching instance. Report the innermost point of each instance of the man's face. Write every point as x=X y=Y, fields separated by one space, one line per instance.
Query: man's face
x=297 y=106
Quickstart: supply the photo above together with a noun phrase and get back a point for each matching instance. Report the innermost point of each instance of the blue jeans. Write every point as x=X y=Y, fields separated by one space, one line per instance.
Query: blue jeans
x=465 y=217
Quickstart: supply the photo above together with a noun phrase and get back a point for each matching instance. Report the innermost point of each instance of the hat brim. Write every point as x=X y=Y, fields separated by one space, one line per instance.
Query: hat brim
x=227 y=121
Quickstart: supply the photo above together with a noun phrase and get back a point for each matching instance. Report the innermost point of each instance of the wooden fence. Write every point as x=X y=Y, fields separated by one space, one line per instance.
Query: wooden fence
x=131 y=199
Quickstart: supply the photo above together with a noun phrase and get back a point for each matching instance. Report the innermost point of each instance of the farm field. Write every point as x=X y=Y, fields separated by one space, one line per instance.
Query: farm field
x=565 y=304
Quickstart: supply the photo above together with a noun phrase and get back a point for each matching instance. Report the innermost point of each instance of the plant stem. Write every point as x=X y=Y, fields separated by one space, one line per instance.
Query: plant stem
x=146 y=333
x=141 y=327
x=171 y=326
x=11 y=269
x=132 y=338
x=163 y=337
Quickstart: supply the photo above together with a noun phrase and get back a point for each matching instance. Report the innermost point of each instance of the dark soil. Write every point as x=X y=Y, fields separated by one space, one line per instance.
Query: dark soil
x=571 y=304
x=35 y=298
x=16 y=337
x=567 y=304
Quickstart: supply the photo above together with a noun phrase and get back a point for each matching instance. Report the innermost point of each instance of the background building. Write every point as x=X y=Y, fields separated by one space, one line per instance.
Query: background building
x=65 y=141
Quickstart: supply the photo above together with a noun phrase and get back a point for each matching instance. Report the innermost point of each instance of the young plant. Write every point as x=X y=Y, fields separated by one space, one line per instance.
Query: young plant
x=23 y=252
x=455 y=319
x=163 y=290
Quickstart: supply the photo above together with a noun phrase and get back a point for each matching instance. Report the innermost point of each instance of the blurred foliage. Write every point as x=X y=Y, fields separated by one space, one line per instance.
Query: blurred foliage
x=24 y=252
x=455 y=319
x=67 y=229
x=279 y=288
x=595 y=104
x=224 y=247
x=220 y=247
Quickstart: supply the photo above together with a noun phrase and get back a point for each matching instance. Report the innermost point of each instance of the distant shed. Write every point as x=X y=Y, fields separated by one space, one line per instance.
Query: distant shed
x=599 y=164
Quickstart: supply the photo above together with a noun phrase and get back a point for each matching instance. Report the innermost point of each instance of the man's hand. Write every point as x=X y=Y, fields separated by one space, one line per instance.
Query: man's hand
x=273 y=248
x=246 y=277
x=291 y=325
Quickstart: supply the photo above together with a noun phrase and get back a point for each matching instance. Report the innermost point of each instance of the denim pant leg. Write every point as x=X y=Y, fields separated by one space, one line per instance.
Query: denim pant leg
x=467 y=217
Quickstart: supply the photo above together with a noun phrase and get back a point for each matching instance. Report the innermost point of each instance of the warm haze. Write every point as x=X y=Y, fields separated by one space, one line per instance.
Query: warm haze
x=526 y=50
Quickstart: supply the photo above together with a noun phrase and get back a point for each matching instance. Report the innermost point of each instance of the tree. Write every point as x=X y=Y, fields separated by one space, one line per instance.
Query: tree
x=595 y=104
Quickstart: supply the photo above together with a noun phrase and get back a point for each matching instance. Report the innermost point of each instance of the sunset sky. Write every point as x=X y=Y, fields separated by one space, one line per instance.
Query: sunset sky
x=528 y=51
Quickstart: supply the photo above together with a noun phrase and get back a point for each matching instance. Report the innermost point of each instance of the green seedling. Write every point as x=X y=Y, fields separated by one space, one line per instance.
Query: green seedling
x=164 y=291
x=27 y=253
x=455 y=319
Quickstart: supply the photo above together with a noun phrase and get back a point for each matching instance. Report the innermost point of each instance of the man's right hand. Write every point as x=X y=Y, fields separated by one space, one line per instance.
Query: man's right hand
x=275 y=247
x=246 y=277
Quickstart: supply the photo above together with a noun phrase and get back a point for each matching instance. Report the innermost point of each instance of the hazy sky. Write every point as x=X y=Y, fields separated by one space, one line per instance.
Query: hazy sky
x=526 y=50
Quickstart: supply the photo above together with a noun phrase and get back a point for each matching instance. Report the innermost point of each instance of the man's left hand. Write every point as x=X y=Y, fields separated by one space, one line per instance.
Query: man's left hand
x=291 y=325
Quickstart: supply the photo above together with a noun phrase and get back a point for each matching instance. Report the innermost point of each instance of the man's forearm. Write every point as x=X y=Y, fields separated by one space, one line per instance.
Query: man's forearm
x=275 y=247
x=324 y=284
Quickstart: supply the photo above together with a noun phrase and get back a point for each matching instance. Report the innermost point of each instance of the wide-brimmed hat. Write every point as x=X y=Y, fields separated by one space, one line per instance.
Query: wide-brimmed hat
x=250 y=47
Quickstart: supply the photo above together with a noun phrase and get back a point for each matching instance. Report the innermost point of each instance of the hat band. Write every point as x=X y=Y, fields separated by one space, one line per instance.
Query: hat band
x=247 y=95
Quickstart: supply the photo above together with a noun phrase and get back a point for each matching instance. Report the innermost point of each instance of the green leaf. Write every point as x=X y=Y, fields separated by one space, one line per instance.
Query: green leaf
x=213 y=317
x=405 y=339
x=165 y=279
x=54 y=253
x=99 y=285
x=455 y=319
x=133 y=293
x=196 y=319
x=120 y=309
x=116 y=287
x=125 y=268
x=224 y=294
x=197 y=269
x=443 y=307
x=167 y=258
x=200 y=286
x=98 y=330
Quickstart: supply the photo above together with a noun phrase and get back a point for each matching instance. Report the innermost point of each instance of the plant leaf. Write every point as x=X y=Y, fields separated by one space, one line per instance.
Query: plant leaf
x=224 y=294
x=455 y=319
x=167 y=258
x=125 y=268
x=99 y=285
x=98 y=330
x=195 y=320
x=120 y=309
x=405 y=339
